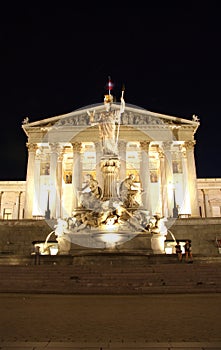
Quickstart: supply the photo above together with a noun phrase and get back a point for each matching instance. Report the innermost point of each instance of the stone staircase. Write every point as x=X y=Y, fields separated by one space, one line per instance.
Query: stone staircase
x=109 y=275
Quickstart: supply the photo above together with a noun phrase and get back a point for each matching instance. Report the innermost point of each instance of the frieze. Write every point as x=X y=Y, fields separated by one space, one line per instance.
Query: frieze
x=46 y=128
x=82 y=119
x=127 y=118
x=139 y=119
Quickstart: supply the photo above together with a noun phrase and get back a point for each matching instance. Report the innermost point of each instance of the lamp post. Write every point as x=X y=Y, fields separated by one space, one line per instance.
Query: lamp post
x=175 y=208
x=48 y=212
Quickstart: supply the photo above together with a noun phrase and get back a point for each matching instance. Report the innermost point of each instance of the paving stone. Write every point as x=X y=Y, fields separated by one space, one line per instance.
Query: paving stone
x=114 y=346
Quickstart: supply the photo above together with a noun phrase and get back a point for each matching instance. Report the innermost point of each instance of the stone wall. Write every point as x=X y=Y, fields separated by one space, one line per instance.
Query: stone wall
x=203 y=233
x=16 y=236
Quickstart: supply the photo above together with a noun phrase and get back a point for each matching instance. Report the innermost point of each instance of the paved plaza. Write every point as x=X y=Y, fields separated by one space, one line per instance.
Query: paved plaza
x=170 y=321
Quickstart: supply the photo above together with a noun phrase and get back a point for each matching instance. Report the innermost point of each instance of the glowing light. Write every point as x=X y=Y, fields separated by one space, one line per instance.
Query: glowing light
x=111 y=225
x=110 y=85
x=169 y=250
x=53 y=250
x=110 y=239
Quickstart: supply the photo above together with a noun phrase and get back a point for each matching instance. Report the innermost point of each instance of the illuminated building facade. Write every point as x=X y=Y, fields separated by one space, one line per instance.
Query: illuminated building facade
x=158 y=149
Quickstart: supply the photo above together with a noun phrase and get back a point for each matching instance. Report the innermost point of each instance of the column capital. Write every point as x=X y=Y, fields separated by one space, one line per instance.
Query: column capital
x=77 y=146
x=39 y=154
x=167 y=145
x=145 y=145
x=161 y=154
x=61 y=154
x=54 y=147
x=32 y=147
x=189 y=145
x=182 y=149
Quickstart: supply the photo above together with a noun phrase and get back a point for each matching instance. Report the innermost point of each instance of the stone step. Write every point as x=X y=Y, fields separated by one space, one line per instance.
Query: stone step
x=170 y=278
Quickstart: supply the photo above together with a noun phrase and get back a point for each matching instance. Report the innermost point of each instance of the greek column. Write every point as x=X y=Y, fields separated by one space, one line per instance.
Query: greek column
x=53 y=177
x=169 y=176
x=99 y=154
x=145 y=175
x=163 y=181
x=17 y=206
x=59 y=211
x=192 y=183
x=185 y=209
x=36 y=207
x=32 y=147
x=122 y=155
x=206 y=203
x=76 y=173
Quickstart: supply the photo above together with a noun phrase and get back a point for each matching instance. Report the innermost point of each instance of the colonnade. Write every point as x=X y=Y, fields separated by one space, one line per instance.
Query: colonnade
x=56 y=150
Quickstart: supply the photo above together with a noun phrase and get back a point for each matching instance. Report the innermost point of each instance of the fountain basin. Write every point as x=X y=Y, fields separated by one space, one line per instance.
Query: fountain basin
x=157 y=243
x=112 y=239
x=49 y=248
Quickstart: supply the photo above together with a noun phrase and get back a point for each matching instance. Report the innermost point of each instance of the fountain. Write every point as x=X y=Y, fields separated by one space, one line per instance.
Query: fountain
x=170 y=246
x=46 y=248
x=172 y=235
x=63 y=244
x=110 y=216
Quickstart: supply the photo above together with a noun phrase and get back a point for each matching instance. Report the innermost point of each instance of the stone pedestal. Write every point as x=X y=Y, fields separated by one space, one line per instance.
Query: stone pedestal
x=64 y=245
x=157 y=243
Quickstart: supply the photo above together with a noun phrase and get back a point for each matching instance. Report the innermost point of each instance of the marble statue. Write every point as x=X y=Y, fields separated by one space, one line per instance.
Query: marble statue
x=130 y=192
x=91 y=193
x=107 y=126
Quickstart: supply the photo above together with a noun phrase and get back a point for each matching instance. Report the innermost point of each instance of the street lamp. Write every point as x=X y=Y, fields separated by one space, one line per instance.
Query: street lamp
x=175 y=207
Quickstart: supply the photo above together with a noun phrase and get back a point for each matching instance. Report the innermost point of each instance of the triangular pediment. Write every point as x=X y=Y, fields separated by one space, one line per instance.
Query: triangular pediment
x=89 y=115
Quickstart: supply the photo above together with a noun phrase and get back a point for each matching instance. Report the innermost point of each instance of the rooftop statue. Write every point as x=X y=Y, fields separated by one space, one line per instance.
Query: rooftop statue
x=195 y=118
x=25 y=121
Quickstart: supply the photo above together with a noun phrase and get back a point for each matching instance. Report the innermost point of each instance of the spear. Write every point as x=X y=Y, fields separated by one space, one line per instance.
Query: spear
x=121 y=111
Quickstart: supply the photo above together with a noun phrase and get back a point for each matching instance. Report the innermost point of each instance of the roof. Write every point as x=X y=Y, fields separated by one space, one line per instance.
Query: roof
x=99 y=107
x=88 y=116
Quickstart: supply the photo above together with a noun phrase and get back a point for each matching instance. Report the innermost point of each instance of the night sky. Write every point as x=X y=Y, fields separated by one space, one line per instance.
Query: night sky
x=57 y=59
